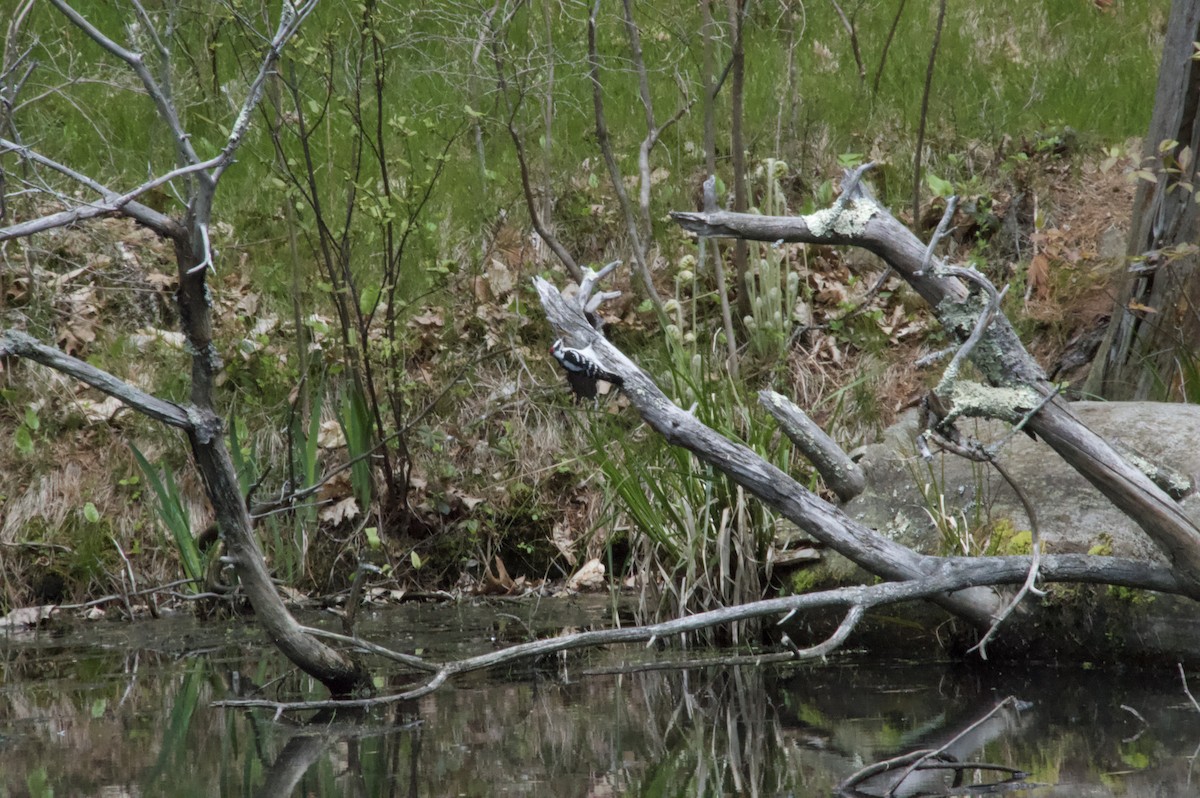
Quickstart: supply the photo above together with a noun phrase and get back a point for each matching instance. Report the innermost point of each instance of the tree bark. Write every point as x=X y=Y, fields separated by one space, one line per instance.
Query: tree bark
x=1150 y=349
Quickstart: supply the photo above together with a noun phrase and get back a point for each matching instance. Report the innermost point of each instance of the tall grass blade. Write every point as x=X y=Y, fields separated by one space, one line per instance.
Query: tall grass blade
x=174 y=515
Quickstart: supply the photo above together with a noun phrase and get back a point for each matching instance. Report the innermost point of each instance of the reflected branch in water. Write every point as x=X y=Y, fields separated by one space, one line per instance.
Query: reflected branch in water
x=941 y=758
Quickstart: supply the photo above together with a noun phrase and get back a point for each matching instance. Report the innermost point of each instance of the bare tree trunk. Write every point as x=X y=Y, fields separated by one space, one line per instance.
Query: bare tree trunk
x=737 y=146
x=707 y=32
x=1150 y=349
x=194 y=257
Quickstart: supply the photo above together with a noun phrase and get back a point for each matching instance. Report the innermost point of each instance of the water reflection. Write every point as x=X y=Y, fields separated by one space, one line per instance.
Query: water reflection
x=115 y=711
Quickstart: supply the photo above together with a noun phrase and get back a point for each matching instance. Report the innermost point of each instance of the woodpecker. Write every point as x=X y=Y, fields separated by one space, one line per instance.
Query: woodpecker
x=582 y=370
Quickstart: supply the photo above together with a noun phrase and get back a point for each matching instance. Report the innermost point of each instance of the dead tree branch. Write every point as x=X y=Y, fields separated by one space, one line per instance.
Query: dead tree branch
x=18 y=344
x=954 y=576
x=778 y=490
x=841 y=474
x=1016 y=384
x=920 y=760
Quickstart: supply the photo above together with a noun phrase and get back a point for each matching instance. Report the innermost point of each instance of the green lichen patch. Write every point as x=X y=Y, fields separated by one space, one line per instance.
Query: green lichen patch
x=849 y=220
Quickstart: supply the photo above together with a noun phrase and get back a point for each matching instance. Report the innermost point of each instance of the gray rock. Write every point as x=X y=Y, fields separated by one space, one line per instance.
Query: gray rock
x=905 y=493
x=1073 y=622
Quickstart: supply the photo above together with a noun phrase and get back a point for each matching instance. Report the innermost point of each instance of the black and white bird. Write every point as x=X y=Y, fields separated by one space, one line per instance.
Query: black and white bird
x=583 y=370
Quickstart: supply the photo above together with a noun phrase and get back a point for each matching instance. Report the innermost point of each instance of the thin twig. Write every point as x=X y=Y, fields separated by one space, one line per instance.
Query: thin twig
x=1186 y=691
x=933 y=50
x=129 y=573
x=852 y=32
x=1009 y=701
x=135 y=61
x=1029 y=585
x=939 y=233
x=167 y=588
x=981 y=324
x=886 y=46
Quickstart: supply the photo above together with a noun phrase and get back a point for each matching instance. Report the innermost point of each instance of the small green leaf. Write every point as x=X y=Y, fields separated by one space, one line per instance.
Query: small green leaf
x=23 y=440
x=416 y=560
x=98 y=707
x=91 y=513
x=31 y=419
x=939 y=187
x=368 y=299
x=471 y=112
x=372 y=534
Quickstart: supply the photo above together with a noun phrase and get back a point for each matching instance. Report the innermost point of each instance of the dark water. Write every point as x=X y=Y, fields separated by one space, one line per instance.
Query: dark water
x=124 y=710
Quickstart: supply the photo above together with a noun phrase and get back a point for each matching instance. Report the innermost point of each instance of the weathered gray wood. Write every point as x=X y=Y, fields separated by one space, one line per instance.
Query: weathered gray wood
x=1018 y=384
x=954 y=576
x=1138 y=358
x=841 y=474
x=18 y=344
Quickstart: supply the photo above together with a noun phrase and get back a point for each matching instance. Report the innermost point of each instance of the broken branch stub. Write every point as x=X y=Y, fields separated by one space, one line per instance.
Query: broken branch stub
x=841 y=474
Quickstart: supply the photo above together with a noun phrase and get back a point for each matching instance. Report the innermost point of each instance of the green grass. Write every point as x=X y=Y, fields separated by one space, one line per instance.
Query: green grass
x=1011 y=69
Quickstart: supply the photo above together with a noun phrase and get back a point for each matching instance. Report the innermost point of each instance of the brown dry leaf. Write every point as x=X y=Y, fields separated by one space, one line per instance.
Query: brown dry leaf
x=1138 y=307
x=337 y=488
x=428 y=318
x=265 y=325
x=339 y=511
x=23 y=617
x=564 y=541
x=79 y=334
x=500 y=278
x=589 y=577
x=502 y=572
x=1038 y=278
x=499 y=583
x=248 y=305
x=161 y=281
x=470 y=502
x=100 y=412
x=479 y=287
x=331 y=435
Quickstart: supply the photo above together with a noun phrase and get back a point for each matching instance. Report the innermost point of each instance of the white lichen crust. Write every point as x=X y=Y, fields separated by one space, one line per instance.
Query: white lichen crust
x=975 y=400
x=848 y=220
